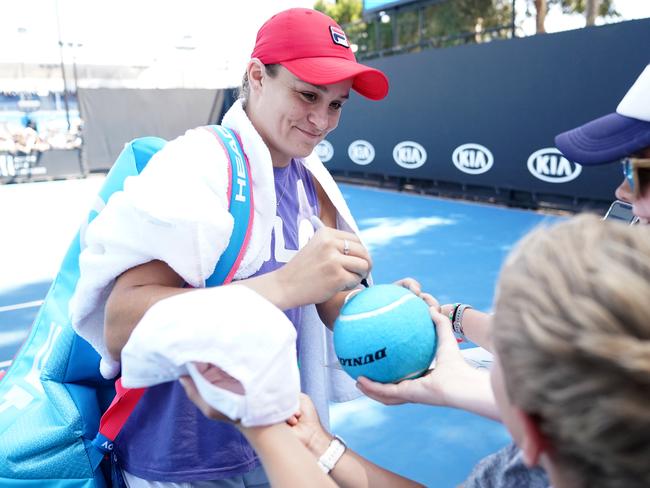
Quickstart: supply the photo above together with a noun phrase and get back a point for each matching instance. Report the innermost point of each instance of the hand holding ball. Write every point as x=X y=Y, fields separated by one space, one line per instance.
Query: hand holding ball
x=386 y=334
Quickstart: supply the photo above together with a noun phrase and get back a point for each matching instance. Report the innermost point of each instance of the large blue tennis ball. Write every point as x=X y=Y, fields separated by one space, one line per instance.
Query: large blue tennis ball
x=385 y=333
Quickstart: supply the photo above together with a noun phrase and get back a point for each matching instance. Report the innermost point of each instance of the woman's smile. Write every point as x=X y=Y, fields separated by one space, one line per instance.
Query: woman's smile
x=310 y=134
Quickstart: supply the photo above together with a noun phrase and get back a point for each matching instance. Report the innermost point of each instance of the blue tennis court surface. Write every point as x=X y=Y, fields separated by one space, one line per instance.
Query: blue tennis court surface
x=453 y=248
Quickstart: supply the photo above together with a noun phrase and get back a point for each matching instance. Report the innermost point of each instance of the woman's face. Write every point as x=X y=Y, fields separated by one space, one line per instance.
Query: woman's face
x=293 y=116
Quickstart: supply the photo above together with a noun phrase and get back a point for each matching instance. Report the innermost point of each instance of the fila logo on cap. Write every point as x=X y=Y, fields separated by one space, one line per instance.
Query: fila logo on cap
x=338 y=36
x=550 y=165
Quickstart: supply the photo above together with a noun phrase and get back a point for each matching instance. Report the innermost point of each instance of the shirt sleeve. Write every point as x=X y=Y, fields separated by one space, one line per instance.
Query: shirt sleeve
x=506 y=469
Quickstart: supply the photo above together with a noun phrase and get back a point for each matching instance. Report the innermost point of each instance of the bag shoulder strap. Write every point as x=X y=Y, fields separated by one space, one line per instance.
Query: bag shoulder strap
x=240 y=197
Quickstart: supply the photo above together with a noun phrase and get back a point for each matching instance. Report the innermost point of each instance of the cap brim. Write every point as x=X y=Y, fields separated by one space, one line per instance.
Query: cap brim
x=604 y=140
x=369 y=82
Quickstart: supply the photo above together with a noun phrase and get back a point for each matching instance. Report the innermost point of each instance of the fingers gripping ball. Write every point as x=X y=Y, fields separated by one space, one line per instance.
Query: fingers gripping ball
x=385 y=333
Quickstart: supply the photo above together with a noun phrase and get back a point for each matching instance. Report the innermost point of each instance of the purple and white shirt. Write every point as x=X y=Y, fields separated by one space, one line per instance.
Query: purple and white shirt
x=166 y=437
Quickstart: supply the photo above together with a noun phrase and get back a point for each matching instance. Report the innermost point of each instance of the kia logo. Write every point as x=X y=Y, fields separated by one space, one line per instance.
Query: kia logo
x=549 y=165
x=324 y=150
x=361 y=152
x=472 y=159
x=409 y=155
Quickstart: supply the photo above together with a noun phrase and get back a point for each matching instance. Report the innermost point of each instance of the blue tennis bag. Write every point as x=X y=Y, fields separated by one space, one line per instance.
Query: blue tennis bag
x=53 y=397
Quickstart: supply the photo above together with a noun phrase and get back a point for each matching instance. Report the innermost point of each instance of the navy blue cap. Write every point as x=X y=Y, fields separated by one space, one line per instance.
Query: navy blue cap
x=604 y=140
x=614 y=136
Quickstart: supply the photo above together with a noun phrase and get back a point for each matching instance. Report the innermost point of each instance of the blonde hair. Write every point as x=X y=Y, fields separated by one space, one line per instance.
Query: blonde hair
x=572 y=331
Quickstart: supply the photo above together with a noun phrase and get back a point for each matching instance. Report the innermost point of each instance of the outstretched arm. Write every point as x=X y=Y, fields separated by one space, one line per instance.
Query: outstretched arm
x=286 y=460
x=352 y=470
x=289 y=451
x=477 y=325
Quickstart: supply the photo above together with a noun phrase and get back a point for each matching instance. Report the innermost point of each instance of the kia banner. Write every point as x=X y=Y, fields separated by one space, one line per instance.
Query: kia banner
x=485 y=116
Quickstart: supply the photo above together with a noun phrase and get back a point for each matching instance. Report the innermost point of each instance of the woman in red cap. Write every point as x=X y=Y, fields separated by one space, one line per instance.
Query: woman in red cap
x=170 y=225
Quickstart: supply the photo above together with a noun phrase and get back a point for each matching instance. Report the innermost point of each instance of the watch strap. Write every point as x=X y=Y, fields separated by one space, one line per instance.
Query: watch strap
x=332 y=454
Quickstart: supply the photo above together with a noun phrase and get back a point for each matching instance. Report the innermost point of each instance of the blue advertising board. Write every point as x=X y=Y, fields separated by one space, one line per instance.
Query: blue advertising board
x=484 y=116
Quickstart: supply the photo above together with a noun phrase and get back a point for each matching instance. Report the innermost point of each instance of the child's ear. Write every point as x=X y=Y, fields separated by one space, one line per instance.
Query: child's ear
x=533 y=442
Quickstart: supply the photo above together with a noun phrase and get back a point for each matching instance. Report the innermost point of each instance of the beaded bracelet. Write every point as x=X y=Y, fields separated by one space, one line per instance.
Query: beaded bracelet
x=452 y=312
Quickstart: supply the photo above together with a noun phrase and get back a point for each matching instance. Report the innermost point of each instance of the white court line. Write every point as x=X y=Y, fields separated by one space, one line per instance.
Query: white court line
x=378 y=311
x=18 y=306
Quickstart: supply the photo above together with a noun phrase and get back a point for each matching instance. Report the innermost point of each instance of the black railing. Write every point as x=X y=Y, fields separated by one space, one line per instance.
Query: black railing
x=487 y=35
x=425 y=24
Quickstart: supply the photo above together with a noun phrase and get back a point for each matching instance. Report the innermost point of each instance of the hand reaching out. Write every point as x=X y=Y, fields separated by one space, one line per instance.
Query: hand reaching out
x=430 y=388
x=452 y=382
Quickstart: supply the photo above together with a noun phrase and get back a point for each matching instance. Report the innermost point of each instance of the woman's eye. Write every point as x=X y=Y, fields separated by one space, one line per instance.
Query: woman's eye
x=336 y=105
x=310 y=97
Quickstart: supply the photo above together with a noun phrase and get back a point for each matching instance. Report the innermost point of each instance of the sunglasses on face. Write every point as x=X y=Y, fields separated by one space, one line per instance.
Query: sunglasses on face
x=631 y=167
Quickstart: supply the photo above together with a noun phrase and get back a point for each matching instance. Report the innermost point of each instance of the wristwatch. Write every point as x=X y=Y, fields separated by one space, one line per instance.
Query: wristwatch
x=332 y=454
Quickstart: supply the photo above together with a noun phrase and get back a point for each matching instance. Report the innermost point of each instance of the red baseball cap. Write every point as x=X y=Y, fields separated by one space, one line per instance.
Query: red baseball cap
x=315 y=49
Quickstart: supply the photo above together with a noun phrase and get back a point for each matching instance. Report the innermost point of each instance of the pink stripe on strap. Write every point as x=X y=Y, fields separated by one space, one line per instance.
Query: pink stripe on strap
x=251 y=216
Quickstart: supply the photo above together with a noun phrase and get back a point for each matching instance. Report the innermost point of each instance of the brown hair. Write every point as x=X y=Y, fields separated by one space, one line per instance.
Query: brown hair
x=572 y=331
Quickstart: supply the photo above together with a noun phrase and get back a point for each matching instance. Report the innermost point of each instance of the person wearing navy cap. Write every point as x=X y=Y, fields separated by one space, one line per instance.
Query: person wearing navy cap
x=622 y=136
x=170 y=225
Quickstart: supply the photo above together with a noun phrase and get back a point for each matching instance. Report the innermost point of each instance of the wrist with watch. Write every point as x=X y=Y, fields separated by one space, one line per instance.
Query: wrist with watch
x=332 y=454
